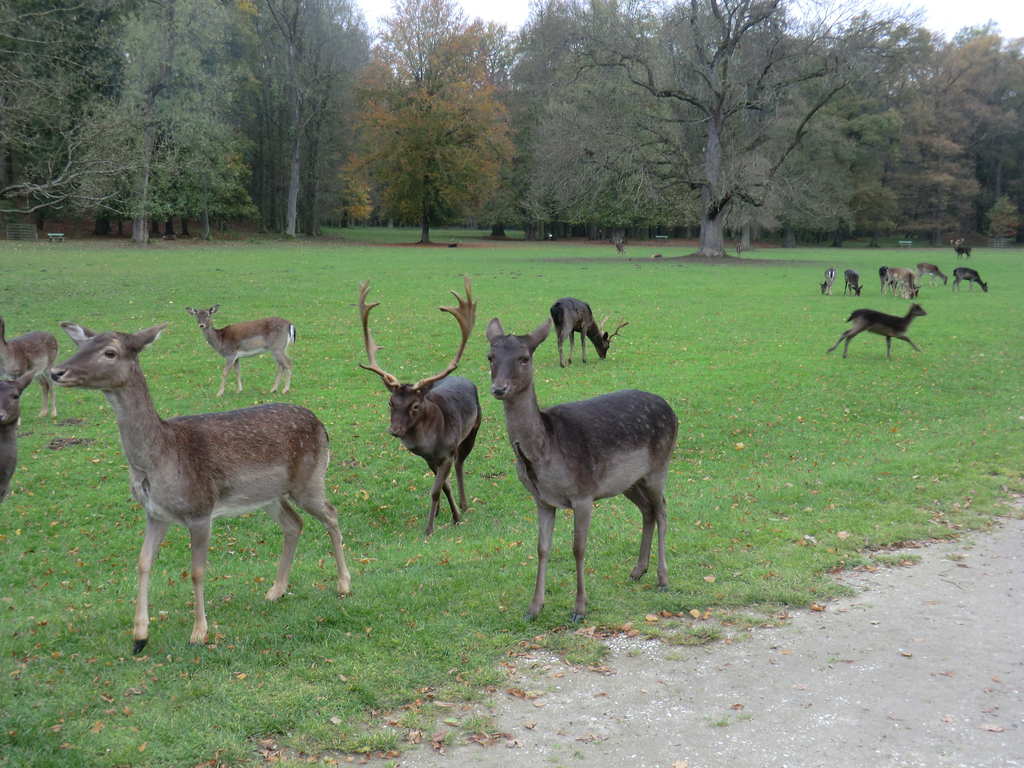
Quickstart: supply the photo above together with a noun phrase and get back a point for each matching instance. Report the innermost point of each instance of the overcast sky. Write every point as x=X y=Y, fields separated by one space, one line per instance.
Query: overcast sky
x=946 y=16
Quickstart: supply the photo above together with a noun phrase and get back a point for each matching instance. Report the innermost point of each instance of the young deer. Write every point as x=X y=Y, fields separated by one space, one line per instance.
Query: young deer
x=889 y=326
x=970 y=275
x=851 y=282
x=830 y=277
x=190 y=470
x=574 y=316
x=924 y=268
x=33 y=353
x=10 y=411
x=436 y=418
x=253 y=337
x=568 y=455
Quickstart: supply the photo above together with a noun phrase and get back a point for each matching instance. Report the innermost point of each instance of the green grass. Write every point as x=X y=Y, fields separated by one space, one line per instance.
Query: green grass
x=778 y=441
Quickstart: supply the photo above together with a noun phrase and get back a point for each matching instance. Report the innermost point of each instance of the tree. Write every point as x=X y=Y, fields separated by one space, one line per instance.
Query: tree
x=1003 y=218
x=436 y=135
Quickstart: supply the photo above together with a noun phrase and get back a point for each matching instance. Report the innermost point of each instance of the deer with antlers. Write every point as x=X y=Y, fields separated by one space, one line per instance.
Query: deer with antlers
x=574 y=316
x=436 y=418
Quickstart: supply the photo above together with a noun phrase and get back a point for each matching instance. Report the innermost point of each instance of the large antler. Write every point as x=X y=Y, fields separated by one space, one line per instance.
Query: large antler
x=614 y=333
x=465 y=313
x=371 y=348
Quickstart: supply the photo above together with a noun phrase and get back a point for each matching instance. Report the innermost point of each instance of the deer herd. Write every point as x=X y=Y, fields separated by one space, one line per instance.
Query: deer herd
x=190 y=470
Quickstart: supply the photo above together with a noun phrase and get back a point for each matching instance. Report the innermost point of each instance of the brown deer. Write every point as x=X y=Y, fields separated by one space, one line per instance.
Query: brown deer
x=902 y=279
x=971 y=276
x=574 y=316
x=568 y=455
x=253 y=337
x=10 y=412
x=33 y=353
x=190 y=470
x=436 y=418
x=851 y=282
x=924 y=268
x=889 y=326
x=961 y=248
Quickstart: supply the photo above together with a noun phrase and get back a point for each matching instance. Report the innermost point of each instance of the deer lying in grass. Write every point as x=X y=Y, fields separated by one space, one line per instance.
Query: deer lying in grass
x=830 y=277
x=889 y=326
x=436 y=418
x=568 y=455
x=573 y=316
x=851 y=282
x=924 y=268
x=970 y=275
x=10 y=412
x=190 y=470
x=32 y=353
x=253 y=337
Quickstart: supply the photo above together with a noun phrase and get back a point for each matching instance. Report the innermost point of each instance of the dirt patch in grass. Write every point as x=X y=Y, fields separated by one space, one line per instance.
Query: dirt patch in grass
x=59 y=443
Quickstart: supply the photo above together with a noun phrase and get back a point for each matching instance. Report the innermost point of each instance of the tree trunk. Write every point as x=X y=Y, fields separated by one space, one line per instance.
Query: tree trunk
x=425 y=217
x=788 y=237
x=184 y=227
x=102 y=226
x=169 y=228
x=498 y=230
x=204 y=224
x=745 y=237
x=712 y=237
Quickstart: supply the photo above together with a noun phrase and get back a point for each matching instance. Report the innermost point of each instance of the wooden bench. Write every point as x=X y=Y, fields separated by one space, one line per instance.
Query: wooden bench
x=55 y=237
x=906 y=243
x=661 y=237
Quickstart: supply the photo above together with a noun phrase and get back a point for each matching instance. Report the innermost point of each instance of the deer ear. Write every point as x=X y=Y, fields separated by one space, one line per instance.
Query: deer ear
x=78 y=333
x=538 y=335
x=494 y=329
x=190 y=310
x=142 y=339
x=214 y=308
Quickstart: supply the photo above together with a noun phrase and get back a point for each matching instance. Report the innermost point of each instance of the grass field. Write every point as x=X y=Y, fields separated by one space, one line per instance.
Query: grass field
x=790 y=463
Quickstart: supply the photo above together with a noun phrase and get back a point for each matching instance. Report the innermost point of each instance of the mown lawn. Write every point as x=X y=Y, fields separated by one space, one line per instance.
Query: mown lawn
x=790 y=463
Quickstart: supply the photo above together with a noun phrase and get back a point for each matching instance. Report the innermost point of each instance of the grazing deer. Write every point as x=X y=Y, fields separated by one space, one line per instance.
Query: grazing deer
x=190 y=470
x=574 y=316
x=889 y=326
x=436 y=418
x=253 y=337
x=10 y=412
x=568 y=455
x=961 y=248
x=830 y=277
x=883 y=278
x=924 y=268
x=33 y=353
x=970 y=275
x=902 y=279
x=852 y=282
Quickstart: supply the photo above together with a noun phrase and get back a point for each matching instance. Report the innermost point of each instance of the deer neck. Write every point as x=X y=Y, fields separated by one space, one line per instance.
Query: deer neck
x=526 y=428
x=142 y=430
x=215 y=336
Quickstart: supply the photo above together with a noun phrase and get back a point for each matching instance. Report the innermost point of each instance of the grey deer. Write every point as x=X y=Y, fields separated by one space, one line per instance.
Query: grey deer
x=10 y=411
x=889 y=326
x=571 y=454
x=34 y=353
x=851 y=282
x=190 y=470
x=572 y=316
x=245 y=339
x=436 y=418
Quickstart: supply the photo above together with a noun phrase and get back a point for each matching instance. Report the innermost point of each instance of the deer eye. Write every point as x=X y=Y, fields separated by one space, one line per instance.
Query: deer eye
x=524 y=361
x=109 y=354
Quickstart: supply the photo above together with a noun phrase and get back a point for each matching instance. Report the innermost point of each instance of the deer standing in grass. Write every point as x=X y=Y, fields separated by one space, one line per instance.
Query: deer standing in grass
x=253 y=337
x=571 y=454
x=889 y=326
x=971 y=276
x=33 y=353
x=851 y=282
x=190 y=470
x=10 y=412
x=572 y=316
x=830 y=277
x=436 y=418
x=924 y=268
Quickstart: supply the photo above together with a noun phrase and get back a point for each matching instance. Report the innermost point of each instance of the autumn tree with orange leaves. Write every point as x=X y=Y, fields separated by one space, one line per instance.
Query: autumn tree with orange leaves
x=434 y=133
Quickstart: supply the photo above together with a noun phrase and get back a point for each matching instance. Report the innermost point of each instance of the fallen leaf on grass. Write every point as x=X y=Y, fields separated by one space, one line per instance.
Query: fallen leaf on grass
x=97 y=727
x=992 y=728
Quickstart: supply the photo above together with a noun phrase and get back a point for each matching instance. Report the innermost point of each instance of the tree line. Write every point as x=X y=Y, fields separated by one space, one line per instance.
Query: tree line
x=718 y=119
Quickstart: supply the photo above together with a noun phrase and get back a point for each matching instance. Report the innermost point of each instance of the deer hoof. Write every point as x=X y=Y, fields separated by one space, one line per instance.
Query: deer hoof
x=138 y=645
x=663 y=587
x=636 y=573
x=576 y=618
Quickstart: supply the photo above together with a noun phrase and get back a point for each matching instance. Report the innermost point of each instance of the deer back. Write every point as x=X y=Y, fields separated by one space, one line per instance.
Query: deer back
x=31 y=352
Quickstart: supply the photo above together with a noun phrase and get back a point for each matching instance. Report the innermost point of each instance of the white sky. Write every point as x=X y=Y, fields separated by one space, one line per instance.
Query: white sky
x=946 y=16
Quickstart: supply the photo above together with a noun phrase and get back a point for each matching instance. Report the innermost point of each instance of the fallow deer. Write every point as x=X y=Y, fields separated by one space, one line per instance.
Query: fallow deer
x=830 y=277
x=190 y=470
x=34 y=353
x=253 y=337
x=970 y=275
x=851 y=282
x=924 y=268
x=902 y=279
x=883 y=278
x=961 y=248
x=574 y=316
x=571 y=454
x=10 y=411
x=889 y=326
x=436 y=418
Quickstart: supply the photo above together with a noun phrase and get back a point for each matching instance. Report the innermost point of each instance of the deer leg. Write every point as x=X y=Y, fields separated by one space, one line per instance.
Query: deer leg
x=638 y=495
x=583 y=346
x=888 y=347
x=286 y=361
x=561 y=358
x=907 y=339
x=49 y=396
x=291 y=527
x=545 y=530
x=155 y=532
x=200 y=538
x=845 y=335
x=440 y=483
x=238 y=372
x=572 y=345
x=224 y=376
x=316 y=504
x=581 y=526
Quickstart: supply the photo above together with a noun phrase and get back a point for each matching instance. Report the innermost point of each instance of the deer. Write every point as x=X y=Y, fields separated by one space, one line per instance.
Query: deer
x=620 y=245
x=971 y=276
x=851 y=282
x=570 y=455
x=889 y=326
x=436 y=418
x=903 y=279
x=190 y=470
x=245 y=339
x=830 y=277
x=574 y=316
x=961 y=248
x=34 y=353
x=883 y=278
x=10 y=413
x=924 y=268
